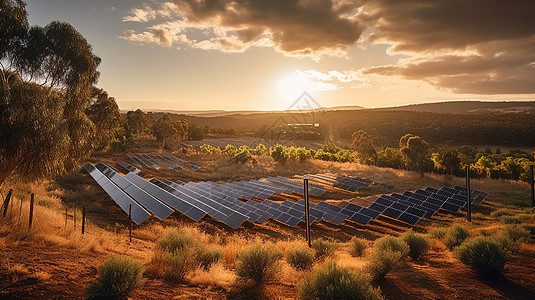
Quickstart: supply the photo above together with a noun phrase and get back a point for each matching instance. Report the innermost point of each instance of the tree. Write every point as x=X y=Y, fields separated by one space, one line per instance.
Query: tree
x=449 y=160
x=170 y=133
x=363 y=145
x=46 y=75
x=137 y=121
x=417 y=154
x=104 y=113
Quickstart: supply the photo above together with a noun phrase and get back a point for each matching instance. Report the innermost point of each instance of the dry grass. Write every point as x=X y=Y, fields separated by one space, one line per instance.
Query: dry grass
x=216 y=275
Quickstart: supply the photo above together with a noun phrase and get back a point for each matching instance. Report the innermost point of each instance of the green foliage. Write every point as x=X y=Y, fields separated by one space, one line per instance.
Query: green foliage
x=455 y=236
x=117 y=278
x=260 y=150
x=418 y=243
x=501 y=212
x=417 y=153
x=278 y=153
x=438 y=233
x=300 y=258
x=511 y=237
x=210 y=149
x=242 y=155
x=24 y=234
x=230 y=150
x=323 y=248
x=511 y=219
x=170 y=133
x=137 y=122
x=483 y=255
x=259 y=263
x=390 y=158
x=388 y=253
x=357 y=246
x=122 y=142
x=363 y=146
x=176 y=240
x=104 y=113
x=334 y=282
x=178 y=264
x=207 y=256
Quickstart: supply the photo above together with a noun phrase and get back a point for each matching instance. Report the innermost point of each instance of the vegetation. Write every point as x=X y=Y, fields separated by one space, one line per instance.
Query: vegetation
x=357 y=246
x=483 y=255
x=117 y=278
x=259 y=263
x=46 y=83
x=323 y=248
x=300 y=258
x=455 y=236
x=388 y=253
x=511 y=237
x=334 y=282
x=207 y=256
x=418 y=243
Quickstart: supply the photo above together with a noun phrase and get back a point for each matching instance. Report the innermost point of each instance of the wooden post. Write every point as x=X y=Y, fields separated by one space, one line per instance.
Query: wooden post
x=20 y=211
x=307 y=212
x=130 y=225
x=30 y=218
x=83 y=219
x=468 y=200
x=74 y=217
x=532 y=187
x=5 y=204
x=66 y=215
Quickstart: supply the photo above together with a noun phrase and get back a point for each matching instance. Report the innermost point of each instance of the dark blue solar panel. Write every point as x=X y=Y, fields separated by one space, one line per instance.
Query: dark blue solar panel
x=408 y=218
x=392 y=213
x=370 y=212
x=360 y=219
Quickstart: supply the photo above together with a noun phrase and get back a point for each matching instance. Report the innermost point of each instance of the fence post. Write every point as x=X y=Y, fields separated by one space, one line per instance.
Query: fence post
x=6 y=201
x=130 y=225
x=20 y=212
x=66 y=215
x=83 y=219
x=74 y=217
x=307 y=211
x=532 y=187
x=30 y=219
x=468 y=200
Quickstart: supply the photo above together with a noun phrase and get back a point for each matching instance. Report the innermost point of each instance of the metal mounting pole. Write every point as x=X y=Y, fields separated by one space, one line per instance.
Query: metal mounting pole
x=468 y=200
x=307 y=212
x=532 y=187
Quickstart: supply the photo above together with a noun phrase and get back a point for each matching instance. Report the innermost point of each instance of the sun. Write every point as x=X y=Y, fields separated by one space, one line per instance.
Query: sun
x=290 y=87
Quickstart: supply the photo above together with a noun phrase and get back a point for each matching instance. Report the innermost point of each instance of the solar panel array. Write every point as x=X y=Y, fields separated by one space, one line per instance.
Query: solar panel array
x=222 y=201
x=156 y=161
x=347 y=183
x=128 y=167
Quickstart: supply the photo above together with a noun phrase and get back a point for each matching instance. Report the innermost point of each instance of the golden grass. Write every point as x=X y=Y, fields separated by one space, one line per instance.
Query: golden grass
x=216 y=275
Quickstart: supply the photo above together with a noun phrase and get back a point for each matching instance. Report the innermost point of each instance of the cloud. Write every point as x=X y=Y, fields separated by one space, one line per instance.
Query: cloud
x=162 y=36
x=475 y=47
x=292 y=27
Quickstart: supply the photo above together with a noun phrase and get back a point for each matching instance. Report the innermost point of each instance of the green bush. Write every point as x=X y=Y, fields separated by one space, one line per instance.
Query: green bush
x=418 y=243
x=530 y=228
x=259 y=263
x=300 y=258
x=500 y=212
x=177 y=265
x=334 y=282
x=438 y=233
x=206 y=256
x=278 y=153
x=511 y=220
x=511 y=237
x=24 y=234
x=323 y=248
x=483 y=255
x=117 y=278
x=357 y=246
x=388 y=253
x=455 y=236
x=122 y=143
x=242 y=156
x=176 y=240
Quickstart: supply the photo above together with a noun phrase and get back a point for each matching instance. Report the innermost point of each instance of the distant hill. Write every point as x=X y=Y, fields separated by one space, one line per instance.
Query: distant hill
x=468 y=107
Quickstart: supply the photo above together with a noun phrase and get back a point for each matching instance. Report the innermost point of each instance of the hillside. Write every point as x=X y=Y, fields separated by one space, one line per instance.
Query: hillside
x=468 y=107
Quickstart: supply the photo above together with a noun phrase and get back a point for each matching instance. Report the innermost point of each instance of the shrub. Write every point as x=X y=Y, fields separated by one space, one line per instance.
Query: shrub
x=242 y=156
x=357 y=246
x=177 y=265
x=279 y=153
x=483 y=255
x=390 y=243
x=455 y=236
x=529 y=227
x=438 y=233
x=418 y=244
x=323 y=248
x=300 y=258
x=176 y=240
x=259 y=263
x=334 y=282
x=24 y=234
x=206 y=256
x=388 y=253
x=511 y=237
x=500 y=212
x=511 y=220
x=117 y=278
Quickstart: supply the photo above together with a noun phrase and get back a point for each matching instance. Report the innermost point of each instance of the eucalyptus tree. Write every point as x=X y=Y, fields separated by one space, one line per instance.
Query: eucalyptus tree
x=105 y=115
x=363 y=145
x=46 y=78
x=417 y=153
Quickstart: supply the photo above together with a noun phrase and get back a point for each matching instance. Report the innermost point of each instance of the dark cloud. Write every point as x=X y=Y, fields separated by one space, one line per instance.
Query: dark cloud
x=424 y=25
x=295 y=26
x=162 y=37
x=477 y=46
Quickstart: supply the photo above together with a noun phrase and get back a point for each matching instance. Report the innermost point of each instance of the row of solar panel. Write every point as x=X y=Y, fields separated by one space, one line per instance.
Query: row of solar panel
x=156 y=161
x=128 y=167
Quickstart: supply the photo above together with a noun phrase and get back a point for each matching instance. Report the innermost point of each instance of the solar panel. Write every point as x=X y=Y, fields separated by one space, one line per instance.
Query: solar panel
x=370 y=212
x=360 y=219
x=408 y=218
x=235 y=220
x=392 y=213
x=138 y=214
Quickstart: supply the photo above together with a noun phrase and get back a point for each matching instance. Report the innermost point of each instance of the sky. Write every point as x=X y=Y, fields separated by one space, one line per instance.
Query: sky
x=262 y=55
